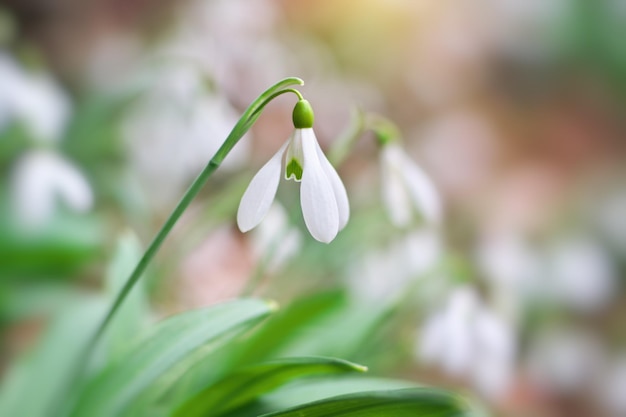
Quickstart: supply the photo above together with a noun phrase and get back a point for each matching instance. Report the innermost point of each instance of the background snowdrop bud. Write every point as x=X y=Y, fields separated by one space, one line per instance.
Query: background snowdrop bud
x=613 y=386
x=34 y=99
x=276 y=239
x=468 y=339
x=41 y=177
x=406 y=188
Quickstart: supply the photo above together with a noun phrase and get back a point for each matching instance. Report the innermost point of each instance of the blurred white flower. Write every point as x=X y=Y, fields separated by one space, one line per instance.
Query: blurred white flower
x=468 y=339
x=383 y=275
x=508 y=261
x=40 y=179
x=574 y=272
x=275 y=239
x=564 y=360
x=33 y=99
x=322 y=195
x=175 y=129
x=612 y=387
x=406 y=188
x=234 y=40
x=611 y=219
x=584 y=276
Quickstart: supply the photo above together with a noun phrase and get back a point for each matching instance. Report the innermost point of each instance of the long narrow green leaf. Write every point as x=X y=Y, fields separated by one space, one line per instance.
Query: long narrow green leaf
x=246 y=385
x=312 y=389
x=169 y=344
x=132 y=315
x=423 y=402
x=31 y=386
x=291 y=323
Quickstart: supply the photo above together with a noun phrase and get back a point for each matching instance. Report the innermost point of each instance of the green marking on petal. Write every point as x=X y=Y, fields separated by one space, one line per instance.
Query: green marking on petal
x=293 y=170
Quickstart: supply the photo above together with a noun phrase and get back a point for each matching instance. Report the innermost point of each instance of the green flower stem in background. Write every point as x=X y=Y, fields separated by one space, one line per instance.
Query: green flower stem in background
x=385 y=131
x=246 y=121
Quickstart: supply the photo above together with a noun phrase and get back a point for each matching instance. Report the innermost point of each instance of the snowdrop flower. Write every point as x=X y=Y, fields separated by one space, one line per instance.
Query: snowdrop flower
x=39 y=178
x=322 y=195
x=564 y=360
x=33 y=99
x=383 y=275
x=582 y=273
x=276 y=239
x=613 y=386
x=468 y=339
x=406 y=188
x=175 y=127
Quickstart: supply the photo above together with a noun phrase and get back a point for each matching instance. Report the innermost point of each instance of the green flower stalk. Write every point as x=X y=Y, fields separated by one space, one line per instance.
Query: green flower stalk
x=246 y=121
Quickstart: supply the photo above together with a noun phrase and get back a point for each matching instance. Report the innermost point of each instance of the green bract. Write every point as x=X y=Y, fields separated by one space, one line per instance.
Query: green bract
x=303 y=116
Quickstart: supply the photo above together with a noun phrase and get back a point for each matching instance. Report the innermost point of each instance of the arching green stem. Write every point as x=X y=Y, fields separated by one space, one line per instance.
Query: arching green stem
x=243 y=125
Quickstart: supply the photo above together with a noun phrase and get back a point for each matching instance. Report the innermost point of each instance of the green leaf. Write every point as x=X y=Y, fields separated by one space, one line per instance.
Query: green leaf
x=171 y=342
x=34 y=385
x=342 y=333
x=246 y=385
x=316 y=388
x=58 y=250
x=290 y=324
x=411 y=402
x=129 y=321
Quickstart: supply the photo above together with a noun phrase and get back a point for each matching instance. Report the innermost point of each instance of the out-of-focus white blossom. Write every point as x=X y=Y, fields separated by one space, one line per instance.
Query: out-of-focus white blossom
x=42 y=179
x=468 y=339
x=584 y=276
x=175 y=129
x=383 y=275
x=510 y=262
x=406 y=188
x=564 y=360
x=33 y=99
x=611 y=219
x=275 y=240
x=575 y=272
x=233 y=39
x=612 y=388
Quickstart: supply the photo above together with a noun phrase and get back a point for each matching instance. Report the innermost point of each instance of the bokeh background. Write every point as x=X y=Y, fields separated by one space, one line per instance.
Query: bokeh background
x=513 y=108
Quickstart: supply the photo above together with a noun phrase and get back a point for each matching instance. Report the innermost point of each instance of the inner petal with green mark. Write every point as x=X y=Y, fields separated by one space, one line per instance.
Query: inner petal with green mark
x=293 y=170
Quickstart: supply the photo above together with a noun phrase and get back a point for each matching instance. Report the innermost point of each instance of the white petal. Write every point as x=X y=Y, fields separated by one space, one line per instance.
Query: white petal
x=41 y=176
x=341 y=196
x=317 y=196
x=422 y=190
x=72 y=186
x=394 y=193
x=257 y=199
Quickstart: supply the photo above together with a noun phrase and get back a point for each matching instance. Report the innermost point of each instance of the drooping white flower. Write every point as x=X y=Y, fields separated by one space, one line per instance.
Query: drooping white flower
x=469 y=339
x=564 y=360
x=384 y=274
x=174 y=128
x=276 y=240
x=613 y=386
x=322 y=195
x=33 y=99
x=39 y=179
x=583 y=275
x=406 y=188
